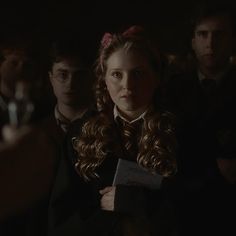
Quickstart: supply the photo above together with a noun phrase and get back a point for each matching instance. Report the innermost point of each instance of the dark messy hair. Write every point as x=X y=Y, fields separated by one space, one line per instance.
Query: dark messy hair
x=74 y=50
x=207 y=9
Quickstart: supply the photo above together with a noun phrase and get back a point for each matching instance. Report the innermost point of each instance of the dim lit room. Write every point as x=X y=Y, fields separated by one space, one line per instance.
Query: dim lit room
x=117 y=118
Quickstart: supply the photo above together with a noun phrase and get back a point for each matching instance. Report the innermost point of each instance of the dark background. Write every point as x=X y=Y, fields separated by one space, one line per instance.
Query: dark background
x=167 y=19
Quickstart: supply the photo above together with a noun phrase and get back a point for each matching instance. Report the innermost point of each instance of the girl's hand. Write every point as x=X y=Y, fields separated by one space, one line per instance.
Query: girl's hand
x=108 y=198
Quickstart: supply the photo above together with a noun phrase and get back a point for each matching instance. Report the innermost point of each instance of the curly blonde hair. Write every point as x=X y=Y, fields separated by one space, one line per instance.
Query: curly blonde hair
x=98 y=136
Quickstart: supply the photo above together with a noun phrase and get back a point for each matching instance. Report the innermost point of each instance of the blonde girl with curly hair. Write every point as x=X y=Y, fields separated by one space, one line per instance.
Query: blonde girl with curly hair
x=127 y=93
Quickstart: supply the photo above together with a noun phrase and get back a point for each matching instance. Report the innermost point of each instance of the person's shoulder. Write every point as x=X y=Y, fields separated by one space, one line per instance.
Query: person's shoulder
x=232 y=68
x=75 y=127
x=183 y=76
x=231 y=72
x=89 y=113
x=228 y=80
x=182 y=81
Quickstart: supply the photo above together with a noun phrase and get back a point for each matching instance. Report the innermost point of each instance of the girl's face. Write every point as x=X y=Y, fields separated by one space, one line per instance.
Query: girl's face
x=131 y=82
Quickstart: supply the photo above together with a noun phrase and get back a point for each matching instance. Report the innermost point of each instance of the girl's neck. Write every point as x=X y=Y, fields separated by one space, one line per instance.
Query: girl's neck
x=132 y=115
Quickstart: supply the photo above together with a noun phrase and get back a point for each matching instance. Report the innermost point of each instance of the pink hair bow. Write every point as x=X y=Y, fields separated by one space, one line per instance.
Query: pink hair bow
x=133 y=31
x=106 y=40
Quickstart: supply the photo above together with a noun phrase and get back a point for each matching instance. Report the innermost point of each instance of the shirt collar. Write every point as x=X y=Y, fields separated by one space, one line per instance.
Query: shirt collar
x=118 y=114
x=217 y=78
x=61 y=119
x=59 y=116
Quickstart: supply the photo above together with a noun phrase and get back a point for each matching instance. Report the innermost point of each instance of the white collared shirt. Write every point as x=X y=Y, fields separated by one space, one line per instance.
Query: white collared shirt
x=118 y=114
x=63 y=121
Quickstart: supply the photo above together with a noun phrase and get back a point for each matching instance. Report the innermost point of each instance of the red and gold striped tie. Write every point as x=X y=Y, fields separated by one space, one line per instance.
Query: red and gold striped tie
x=130 y=132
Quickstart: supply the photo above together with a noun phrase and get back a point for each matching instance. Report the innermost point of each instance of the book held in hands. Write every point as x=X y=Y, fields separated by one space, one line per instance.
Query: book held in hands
x=130 y=173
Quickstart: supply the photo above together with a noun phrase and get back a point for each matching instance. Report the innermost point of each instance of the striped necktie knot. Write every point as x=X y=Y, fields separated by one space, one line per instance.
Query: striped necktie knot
x=130 y=133
x=63 y=124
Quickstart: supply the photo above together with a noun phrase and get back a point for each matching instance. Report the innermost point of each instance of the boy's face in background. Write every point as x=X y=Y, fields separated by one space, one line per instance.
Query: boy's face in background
x=212 y=42
x=71 y=82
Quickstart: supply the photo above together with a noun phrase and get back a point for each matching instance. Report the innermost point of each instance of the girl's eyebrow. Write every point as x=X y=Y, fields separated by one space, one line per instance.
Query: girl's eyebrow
x=138 y=67
x=134 y=68
x=116 y=68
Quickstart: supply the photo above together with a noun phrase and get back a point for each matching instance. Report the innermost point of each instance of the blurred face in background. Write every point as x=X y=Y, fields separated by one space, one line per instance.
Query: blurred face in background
x=131 y=81
x=15 y=66
x=212 y=42
x=71 y=82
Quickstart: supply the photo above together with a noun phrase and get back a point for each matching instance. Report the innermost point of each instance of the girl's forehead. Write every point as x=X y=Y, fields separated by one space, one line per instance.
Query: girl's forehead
x=130 y=54
x=123 y=59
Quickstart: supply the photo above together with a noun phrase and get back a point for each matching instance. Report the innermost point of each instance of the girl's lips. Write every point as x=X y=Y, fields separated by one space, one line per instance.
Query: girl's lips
x=126 y=95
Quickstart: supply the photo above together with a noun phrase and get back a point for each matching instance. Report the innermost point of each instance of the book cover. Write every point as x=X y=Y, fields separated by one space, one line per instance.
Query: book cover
x=130 y=173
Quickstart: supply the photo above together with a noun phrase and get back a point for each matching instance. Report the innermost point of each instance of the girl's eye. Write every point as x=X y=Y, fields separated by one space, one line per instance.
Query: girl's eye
x=116 y=74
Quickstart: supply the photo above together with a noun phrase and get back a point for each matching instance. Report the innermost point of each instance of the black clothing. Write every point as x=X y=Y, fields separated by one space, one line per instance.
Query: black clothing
x=33 y=219
x=206 y=131
x=75 y=204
